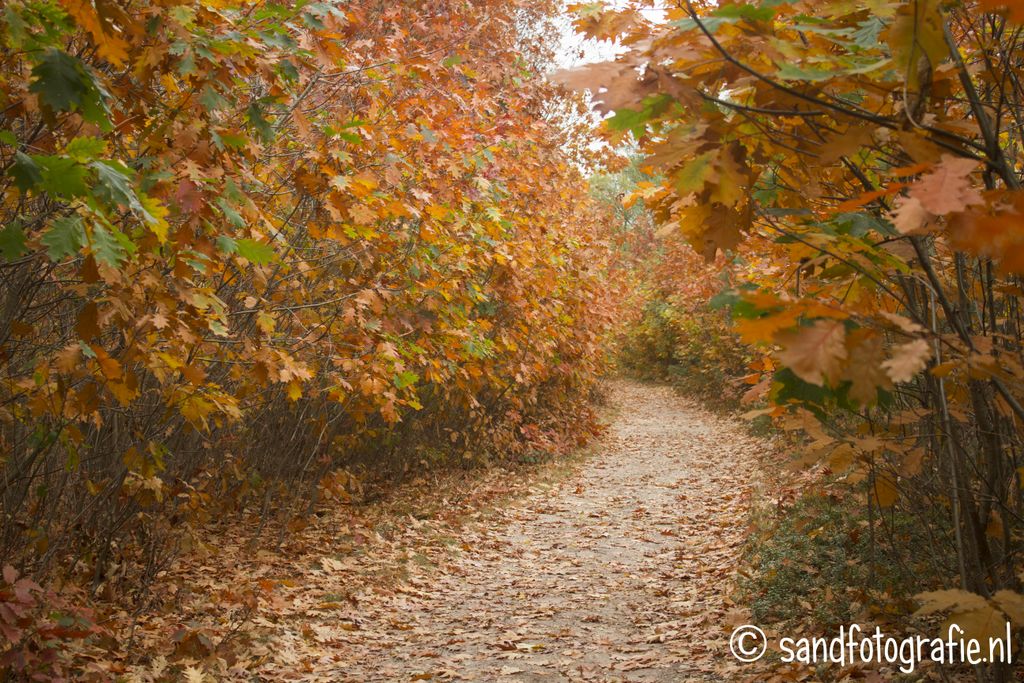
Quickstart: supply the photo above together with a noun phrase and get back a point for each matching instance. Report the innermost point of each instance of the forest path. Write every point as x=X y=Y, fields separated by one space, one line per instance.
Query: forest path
x=618 y=573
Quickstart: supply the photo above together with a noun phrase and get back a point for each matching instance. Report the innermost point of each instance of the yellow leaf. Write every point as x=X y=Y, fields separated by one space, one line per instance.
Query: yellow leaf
x=266 y=322
x=917 y=33
x=362 y=214
x=195 y=409
x=762 y=329
x=438 y=212
x=886 y=493
x=159 y=213
x=1012 y=604
x=942 y=600
x=982 y=624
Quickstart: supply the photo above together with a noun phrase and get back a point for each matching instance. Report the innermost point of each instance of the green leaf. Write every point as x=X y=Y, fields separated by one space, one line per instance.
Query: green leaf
x=63 y=83
x=866 y=36
x=58 y=175
x=711 y=24
x=233 y=140
x=114 y=186
x=15 y=31
x=405 y=379
x=692 y=176
x=636 y=121
x=729 y=14
x=727 y=298
x=25 y=171
x=86 y=149
x=748 y=12
x=256 y=252
x=187 y=64
x=288 y=70
x=63 y=176
x=788 y=387
x=230 y=213
x=227 y=244
x=12 y=241
x=65 y=237
x=108 y=247
x=860 y=224
x=254 y=115
x=212 y=100
x=186 y=16
x=790 y=72
x=58 y=81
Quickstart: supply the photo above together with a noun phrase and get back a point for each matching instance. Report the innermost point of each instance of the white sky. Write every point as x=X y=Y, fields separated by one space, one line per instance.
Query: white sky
x=576 y=50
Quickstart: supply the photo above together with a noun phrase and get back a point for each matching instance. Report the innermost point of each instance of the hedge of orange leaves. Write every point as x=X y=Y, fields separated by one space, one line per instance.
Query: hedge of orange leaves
x=247 y=243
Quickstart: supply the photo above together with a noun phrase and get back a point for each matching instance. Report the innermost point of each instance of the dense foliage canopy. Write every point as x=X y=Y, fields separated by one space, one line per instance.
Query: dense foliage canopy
x=247 y=247
x=861 y=162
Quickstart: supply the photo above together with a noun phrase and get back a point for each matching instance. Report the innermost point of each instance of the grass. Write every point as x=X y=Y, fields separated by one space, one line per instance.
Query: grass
x=817 y=563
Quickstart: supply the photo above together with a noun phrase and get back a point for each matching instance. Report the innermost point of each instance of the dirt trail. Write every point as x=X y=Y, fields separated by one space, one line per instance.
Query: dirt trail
x=618 y=573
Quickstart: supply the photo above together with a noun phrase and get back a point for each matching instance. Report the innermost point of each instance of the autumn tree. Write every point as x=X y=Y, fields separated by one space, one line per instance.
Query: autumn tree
x=249 y=246
x=864 y=159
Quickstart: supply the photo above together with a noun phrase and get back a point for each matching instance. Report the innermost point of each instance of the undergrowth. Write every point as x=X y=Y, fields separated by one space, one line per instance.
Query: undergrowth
x=817 y=563
x=693 y=350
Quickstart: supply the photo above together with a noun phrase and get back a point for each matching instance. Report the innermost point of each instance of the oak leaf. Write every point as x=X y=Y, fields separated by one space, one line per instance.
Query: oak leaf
x=865 y=371
x=984 y=624
x=815 y=353
x=885 y=491
x=908 y=360
x=909 y=215
x=952 y=598
x=1014 y=9
x=109 y=44
x=948 y=187
x=1012 y=604
x=846 y=144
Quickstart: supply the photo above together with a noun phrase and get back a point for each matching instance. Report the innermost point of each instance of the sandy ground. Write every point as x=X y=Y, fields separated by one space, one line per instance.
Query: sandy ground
x=619 y=573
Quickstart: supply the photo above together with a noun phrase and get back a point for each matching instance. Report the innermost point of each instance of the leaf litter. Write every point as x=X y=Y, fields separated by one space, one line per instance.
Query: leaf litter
x=619 y=568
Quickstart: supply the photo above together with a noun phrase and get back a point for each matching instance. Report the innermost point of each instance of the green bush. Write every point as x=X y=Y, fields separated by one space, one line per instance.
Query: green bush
x=694 y=350
x=817 y=562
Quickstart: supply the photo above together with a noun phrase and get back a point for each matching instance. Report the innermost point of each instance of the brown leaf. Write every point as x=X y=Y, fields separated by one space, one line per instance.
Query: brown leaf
x=908 y=360
x=983 y=624
x=948 y=187
x=612 y=85
x=886 y=493
x=909 y=215
x=846 y=144
x=865 y=371
x=814 y=353
x=87 y=326
x=1012 y=604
